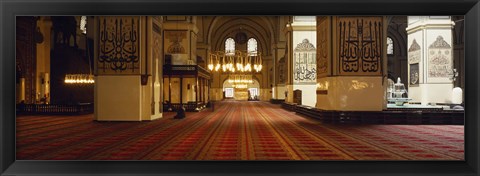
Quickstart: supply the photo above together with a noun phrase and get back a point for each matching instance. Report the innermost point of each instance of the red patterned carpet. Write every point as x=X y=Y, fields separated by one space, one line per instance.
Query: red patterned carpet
x=237 y=130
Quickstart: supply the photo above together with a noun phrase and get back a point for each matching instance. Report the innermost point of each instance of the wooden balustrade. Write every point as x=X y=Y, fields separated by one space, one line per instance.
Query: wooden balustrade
x=81 y=108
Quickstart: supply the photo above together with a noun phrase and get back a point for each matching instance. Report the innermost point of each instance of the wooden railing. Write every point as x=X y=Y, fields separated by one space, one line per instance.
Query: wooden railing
x=81 y=108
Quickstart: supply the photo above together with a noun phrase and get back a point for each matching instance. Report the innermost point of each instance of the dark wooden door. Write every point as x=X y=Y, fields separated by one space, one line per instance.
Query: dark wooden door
x=297 y=96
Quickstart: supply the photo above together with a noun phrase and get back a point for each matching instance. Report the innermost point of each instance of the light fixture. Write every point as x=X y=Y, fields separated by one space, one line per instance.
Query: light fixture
x=235 y=61
x=82 y=78
x=240 y=78
x=79 y=79
x=240 y=86
x=240 y=81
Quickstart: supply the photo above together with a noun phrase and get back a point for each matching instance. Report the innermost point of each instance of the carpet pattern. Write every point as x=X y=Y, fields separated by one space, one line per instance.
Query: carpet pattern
x=237 y=130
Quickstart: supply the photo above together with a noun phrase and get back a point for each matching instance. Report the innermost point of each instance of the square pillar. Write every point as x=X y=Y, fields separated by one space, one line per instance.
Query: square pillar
x=127 y=81
x=430 y=59
x=351 y=63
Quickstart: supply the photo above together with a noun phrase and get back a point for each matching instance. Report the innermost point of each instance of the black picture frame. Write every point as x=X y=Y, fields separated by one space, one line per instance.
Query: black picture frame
x=10 y=9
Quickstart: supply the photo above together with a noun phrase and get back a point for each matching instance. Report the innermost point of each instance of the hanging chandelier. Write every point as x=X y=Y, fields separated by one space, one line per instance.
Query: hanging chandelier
x=240 y=78
x=79 y=79
x=240 y=81
x=235 y=61
x=240 y=86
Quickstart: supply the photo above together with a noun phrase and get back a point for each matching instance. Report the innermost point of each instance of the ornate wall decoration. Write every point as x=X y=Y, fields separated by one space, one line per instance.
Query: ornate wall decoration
x=304 y=69
x=176 y=41
x=322 y=45
x=414 y=75
x=360 y=45
x=414 y=57
x=158 y=19
x=282 y=69
x=414 y=53
x=439 y=59
x=176 y=18
x=156 y=28
x=119 y=46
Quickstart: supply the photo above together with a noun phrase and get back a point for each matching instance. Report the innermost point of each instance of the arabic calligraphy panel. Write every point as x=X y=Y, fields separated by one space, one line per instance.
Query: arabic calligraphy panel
x=439 y=59
x=119 y=45
x=304 y=70
x=414 y=53
x=360 y=45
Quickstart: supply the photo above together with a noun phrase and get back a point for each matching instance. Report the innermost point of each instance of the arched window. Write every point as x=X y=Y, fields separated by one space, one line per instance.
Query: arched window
x=252 y=46
x=389 y=46
x=83 y=24
x=230 y=46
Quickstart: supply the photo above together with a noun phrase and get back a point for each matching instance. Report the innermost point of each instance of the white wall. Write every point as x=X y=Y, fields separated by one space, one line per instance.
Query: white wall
x=309 y=94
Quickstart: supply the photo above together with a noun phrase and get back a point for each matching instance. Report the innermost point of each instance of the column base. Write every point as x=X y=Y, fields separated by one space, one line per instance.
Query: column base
x=356 y=93
x=118 y=98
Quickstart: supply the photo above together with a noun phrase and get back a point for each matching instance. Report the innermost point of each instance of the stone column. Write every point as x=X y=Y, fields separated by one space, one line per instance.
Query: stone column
x=280 y=73
x=289 y=63
x=351 y=63
x=44 y=26
x=202 y=88
x=21 y=90
x=207 y=89
x=273 y=89
x=126 y=60
x=197 y=96
x=169 y=88
x=430 y=59
x=154 y=39
x=181 y=92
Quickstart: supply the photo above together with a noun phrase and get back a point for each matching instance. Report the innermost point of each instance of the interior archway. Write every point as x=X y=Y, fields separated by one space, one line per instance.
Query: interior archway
x=241 y=91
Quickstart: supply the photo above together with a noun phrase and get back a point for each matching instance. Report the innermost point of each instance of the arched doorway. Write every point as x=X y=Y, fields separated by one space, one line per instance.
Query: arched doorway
x=241 y=91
